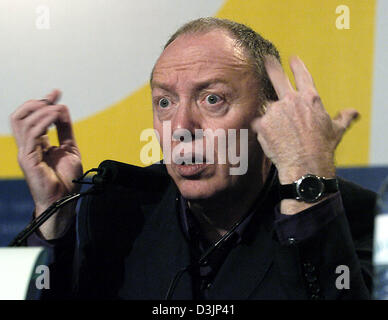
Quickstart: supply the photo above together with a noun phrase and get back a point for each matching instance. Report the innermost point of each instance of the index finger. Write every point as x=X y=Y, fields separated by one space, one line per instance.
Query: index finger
x=52 y=97
x=33 y=105
x=278 y=77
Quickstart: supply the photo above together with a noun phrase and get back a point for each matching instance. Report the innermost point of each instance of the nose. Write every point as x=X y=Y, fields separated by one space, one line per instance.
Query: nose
x=184 y=122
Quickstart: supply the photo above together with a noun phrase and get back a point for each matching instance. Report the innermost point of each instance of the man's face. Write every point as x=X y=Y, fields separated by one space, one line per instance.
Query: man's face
x=204 y=81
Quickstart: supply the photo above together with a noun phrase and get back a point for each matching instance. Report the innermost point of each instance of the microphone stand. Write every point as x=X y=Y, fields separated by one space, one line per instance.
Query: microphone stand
x=37 y=222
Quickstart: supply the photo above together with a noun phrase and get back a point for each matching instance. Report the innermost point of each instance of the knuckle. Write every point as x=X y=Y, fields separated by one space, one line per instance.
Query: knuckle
x=290 y=97
x=312 y=96
x=51 y=112
x=63 y=108
x=48 y=113
x=292 y=100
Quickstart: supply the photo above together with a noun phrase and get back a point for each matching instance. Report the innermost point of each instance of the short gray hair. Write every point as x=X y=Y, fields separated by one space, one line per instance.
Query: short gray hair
x=256 y=46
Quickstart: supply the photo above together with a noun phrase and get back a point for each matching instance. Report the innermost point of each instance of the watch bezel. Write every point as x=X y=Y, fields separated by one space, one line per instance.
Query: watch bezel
x=301 y=197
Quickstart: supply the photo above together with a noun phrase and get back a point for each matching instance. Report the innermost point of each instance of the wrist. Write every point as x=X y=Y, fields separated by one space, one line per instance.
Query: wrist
x=305 y=192
x=57 y=225
x=289 y=174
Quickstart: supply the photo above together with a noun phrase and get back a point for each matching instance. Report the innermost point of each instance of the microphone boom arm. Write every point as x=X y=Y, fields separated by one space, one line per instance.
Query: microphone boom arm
x=37 y=222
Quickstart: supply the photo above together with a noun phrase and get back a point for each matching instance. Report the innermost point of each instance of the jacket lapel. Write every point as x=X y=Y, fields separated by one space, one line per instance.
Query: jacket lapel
x=248 y=263
x=245 y=267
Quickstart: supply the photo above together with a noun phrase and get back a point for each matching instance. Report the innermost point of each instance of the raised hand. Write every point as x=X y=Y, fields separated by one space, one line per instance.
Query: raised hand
x=296 y=133
x=49 y=170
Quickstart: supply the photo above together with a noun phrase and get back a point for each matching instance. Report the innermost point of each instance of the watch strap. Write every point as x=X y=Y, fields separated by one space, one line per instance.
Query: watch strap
x=331 y=185
x=288 y=191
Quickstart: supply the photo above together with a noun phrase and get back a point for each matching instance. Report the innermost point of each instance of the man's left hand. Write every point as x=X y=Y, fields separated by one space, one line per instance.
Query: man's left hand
x=296 y=133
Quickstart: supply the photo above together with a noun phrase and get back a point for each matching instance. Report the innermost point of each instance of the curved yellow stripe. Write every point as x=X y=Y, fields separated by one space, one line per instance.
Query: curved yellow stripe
x=340 y=60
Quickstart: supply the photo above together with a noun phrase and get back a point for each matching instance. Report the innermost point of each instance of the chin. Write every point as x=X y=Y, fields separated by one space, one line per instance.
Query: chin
x=193 y=190
x=200 y=189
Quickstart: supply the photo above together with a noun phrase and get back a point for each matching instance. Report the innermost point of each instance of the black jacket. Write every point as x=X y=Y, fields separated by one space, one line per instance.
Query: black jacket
x=130 y=246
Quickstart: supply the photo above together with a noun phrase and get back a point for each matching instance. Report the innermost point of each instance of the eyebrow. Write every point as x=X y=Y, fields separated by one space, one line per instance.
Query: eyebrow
x=164 y=86
x=199 y=86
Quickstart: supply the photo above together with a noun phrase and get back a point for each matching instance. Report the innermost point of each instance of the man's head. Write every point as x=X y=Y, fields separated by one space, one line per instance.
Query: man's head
x=211 y=76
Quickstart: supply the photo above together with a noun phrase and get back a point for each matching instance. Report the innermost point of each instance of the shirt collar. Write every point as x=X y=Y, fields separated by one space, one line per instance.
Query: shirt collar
x=190 y=225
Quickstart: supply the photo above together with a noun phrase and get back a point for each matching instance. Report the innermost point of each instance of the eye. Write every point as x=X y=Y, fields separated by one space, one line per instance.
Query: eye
x=212 y=99
x=164 y=103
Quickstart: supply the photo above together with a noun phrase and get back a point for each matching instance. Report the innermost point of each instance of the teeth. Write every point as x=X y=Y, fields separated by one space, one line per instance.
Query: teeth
x=189 y=161
x=184 y=163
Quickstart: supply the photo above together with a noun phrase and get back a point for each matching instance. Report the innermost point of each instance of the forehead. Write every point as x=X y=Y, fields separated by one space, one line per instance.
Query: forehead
x=212 y=54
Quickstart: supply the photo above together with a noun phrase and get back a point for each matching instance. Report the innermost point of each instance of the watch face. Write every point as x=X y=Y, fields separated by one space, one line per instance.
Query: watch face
x=309 y=188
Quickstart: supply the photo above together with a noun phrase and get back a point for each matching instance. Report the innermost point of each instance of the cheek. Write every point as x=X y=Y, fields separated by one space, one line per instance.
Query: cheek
x=159 y=129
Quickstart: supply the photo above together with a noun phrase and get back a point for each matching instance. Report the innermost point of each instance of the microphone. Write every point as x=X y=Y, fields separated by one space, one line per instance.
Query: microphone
x=112 y=172
x=109 y=172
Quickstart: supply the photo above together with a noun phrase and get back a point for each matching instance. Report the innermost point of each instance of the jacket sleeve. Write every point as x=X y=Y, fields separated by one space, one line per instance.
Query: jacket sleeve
x=332 y=244
x=60 y=262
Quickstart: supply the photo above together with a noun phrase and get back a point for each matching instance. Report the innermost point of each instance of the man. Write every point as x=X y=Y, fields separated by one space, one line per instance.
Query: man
x=279 y=240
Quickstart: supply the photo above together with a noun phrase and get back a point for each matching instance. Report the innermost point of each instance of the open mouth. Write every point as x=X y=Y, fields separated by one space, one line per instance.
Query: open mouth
x=190 y=165
x=191 y=169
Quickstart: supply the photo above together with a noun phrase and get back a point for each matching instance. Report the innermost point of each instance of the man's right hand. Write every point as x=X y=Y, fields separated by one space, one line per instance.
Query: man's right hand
x=49 y=170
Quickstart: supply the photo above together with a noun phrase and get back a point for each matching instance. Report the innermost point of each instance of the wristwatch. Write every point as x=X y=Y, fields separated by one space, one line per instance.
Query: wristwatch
x=309 y=188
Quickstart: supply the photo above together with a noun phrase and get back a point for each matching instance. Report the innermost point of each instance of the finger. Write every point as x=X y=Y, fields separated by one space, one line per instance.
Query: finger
x=33 y=138
x=60 y=116
x=279 y=79
x=45 y=142
x=303 y=78
x=53 y=96
x=65 y=128
x=26 y=109
x=21 y=128
x=34 y=118
x=345 y=117
x=31 y=106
